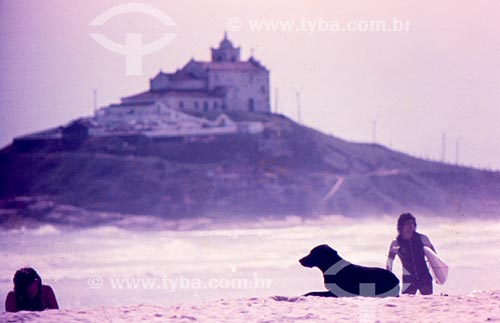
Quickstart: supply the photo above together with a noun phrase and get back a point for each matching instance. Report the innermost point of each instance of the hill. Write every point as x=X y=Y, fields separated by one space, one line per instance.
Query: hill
x=286 y=169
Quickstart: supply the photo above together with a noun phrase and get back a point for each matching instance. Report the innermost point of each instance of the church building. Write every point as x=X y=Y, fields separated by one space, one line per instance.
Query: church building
x=226 y=83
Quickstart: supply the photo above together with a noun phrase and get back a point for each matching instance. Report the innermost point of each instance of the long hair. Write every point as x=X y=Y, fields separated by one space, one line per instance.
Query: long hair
x=403 y=218
x=23 y=278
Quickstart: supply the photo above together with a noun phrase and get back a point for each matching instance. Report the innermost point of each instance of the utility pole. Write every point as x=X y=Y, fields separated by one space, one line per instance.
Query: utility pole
x=374 y=131
x=443 y=147
x=276 y=110
x=95 y=101
x=299 y=120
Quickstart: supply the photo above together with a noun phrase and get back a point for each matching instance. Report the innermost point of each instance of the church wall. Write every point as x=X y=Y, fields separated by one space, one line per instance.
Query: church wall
x=196 y=104
x=243 y=86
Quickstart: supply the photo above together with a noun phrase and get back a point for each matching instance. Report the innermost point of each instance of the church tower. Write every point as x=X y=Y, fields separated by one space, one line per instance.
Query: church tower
x=226 y=52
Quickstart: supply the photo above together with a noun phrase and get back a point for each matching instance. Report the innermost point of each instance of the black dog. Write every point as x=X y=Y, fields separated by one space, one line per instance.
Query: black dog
x=342 y=278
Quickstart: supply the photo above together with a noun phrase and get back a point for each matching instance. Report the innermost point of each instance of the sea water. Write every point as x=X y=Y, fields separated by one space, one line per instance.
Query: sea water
x=110 y=266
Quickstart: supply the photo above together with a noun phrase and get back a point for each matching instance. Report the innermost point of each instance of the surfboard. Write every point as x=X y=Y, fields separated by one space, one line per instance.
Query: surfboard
x=439 y=268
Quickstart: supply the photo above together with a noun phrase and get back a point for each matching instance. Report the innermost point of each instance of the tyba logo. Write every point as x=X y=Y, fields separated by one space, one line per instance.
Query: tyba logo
x=133 y=49
x=365 y=289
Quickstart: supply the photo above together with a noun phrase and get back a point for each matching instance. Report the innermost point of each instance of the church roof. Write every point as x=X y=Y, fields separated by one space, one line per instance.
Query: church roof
x=249 y=65
x=226 y=43
x=133 y=103
x=182 y=75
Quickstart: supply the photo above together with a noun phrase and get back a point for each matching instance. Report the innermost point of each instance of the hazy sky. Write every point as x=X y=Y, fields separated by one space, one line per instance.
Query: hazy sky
x=440 y=76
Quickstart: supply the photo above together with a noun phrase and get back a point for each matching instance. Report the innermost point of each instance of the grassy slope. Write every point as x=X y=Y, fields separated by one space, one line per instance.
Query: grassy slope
x=289 y=170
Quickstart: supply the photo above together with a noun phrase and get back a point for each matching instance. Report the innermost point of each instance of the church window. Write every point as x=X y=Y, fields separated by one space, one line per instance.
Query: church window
x=251 y=105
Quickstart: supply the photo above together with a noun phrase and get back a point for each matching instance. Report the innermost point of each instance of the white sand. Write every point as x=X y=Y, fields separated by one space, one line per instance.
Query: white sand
x=475 y=307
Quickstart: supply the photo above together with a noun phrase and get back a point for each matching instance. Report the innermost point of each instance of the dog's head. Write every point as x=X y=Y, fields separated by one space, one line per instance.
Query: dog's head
x=322 y=256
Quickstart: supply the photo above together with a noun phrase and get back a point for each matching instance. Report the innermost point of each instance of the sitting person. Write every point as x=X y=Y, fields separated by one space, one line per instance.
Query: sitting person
x=29 y=294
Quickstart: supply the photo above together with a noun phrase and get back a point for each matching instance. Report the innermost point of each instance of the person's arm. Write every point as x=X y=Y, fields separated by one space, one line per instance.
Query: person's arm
x=393 y=250
x=10 y=302
x=50 y=298
x=427 y=242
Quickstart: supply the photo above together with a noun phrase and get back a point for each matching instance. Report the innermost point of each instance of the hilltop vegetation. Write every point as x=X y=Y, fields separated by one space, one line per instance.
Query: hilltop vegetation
x=287 y=169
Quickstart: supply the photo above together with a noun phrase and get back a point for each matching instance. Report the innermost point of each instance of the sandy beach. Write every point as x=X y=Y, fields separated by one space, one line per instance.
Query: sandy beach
x=213 y=161
x=477 y=306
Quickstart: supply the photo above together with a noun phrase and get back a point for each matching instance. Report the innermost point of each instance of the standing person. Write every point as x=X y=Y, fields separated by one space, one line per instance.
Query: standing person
x=409 y=246
x=29 y=294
